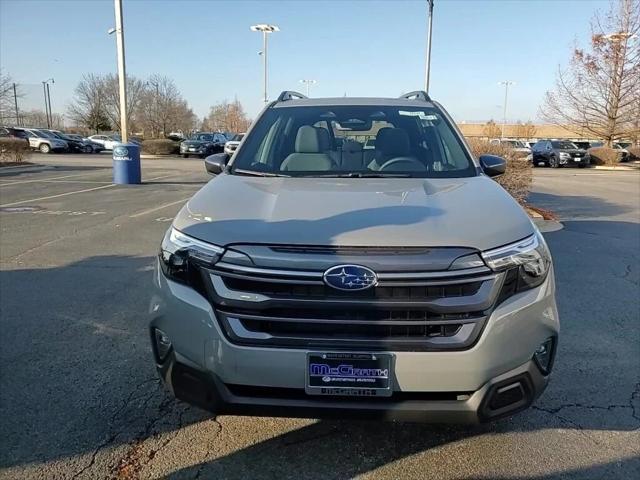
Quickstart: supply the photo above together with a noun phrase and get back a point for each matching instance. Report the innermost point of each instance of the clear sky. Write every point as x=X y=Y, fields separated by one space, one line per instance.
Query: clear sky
x=361 y=48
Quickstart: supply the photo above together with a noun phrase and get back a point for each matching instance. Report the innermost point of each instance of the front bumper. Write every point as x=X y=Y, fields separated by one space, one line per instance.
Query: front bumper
x=576 y=161
x=206 y=369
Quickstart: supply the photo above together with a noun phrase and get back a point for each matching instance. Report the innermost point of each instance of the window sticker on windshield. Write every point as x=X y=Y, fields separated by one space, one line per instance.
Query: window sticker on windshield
x=419 y=114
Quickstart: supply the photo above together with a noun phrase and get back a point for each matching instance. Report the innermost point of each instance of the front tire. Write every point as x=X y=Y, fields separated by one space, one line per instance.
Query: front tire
x=88 y=149
x=554 y=163
x=45 y=148
x=184 y=155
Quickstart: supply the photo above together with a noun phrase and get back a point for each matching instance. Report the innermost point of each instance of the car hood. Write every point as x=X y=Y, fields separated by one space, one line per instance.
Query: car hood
x=572 y=151
x=194 y=143
x=466 y=212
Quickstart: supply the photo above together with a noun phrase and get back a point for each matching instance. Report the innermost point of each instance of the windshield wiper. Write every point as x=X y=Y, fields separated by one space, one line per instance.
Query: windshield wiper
x=365 y=175
x=255 y=173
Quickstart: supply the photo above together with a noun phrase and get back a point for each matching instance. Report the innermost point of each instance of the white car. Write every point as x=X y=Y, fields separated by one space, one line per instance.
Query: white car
x=231 y=145
x=107 y=141
x=44 y=141
x=517 y=146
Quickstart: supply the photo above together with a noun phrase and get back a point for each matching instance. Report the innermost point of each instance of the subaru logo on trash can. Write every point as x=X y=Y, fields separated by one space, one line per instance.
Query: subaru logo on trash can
x=120 y=152
x=350 y=277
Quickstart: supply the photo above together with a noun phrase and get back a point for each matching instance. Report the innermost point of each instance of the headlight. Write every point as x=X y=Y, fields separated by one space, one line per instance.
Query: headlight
x=564 y=155
x=526 y=262
x=181 y=255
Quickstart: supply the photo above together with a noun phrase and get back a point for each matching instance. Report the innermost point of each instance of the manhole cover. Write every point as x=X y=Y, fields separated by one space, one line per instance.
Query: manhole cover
x=19 y=209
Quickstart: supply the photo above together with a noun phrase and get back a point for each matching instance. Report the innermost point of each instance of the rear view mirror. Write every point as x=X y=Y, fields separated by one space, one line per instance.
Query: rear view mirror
x=493 y=165
x=216 y=163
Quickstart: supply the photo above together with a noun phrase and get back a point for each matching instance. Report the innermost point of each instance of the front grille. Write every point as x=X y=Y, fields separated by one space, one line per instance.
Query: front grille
x=407 y=310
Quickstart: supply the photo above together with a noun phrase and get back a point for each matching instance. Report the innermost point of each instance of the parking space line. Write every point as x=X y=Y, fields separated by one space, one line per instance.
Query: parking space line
x=19 y=182
x=155 y=209
x=56 y=196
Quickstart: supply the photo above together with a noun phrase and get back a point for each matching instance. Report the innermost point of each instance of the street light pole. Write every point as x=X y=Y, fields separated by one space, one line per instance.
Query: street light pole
x=50 y=111
x=265 y=29
x=427 y=73
x=122 y=75
x=308 y=83
x=46 y=104
x=15 y=100
x=506 y=84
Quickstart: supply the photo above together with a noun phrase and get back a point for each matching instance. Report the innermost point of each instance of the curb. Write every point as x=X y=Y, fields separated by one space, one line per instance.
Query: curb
x=620 y=168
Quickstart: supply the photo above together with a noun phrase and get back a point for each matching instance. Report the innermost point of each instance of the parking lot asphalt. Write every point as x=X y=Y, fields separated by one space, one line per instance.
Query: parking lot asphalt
x=79 y=396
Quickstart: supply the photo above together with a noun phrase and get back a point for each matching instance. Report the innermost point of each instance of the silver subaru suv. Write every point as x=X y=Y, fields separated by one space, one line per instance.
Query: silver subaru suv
x=352 y=258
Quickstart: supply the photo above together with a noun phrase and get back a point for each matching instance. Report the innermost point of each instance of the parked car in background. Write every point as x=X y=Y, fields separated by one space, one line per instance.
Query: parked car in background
x=10 y=132
x=582 y=144
x=107 y=141
x=232 y=144
x=623 y=153
x=558 y=153
x=203 y=144
x=43 y=141
x=75 y=146
x=518 y=146
x=89 y=146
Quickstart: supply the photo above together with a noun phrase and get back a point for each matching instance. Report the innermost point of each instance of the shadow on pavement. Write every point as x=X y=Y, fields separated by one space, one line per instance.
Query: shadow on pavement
x=32 y=170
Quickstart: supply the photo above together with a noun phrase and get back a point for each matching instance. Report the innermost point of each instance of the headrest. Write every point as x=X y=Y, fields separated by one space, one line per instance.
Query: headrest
x=324 y=139
x=308 y=140
x=392 y=142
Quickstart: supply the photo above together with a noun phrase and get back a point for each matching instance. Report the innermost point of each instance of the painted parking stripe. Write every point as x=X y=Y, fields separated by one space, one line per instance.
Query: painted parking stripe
x=57 y=196
x=155 y=209
x=35 y=180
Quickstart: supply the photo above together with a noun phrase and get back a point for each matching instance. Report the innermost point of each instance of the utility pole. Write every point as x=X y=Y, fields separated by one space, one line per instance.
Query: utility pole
x=506 y=84
x=49 y=101
x=46 y=104
x=265 y=29
x=308 y=83
x=122 y=75
x=15 y=101
x=427 y=73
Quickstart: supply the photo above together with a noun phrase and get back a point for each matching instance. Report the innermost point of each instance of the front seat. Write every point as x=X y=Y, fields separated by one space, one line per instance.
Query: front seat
x=308 y=155
x=390 y=143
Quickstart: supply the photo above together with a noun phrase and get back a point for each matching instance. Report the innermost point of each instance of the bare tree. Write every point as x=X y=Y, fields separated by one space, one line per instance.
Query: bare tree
x=162 y=109
x=88 y=108
x=491 y=130
x=525 y=130
x=7 y=101
x=111 y=96
x=599 y=92
x=38 y=119
x=227 y=117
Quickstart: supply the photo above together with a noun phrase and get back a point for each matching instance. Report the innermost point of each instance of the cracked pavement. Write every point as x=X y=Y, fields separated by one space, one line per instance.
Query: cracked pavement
x=79 y=397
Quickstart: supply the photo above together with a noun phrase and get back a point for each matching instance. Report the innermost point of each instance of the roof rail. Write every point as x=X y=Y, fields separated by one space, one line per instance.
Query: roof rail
x=289 y=95
x=418 y=95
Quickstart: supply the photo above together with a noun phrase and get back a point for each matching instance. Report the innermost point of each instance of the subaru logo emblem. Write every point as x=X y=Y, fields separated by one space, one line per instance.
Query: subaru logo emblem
x=350 y=277
x=120 y=151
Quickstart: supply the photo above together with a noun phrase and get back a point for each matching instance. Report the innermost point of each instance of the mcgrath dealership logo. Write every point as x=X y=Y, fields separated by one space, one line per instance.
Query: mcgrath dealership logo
x=121 y=152
x=350 y=277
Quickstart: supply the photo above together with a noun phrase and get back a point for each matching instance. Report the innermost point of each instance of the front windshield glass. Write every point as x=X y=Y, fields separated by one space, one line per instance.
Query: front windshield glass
x=353 y=141
x=563 y=145
x=203 y=137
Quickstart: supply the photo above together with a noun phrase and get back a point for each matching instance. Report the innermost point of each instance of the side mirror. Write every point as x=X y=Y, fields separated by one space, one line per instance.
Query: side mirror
x=493 y=165
x=216 y=163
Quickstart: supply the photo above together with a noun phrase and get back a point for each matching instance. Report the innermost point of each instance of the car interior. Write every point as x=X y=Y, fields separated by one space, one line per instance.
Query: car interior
x=354 y=140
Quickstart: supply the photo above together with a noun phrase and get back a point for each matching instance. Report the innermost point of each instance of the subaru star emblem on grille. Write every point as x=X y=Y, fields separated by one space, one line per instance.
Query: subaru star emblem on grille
x=350 y=277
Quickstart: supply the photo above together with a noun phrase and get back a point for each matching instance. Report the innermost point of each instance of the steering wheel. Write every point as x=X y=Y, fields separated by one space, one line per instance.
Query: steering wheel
x=399 y=160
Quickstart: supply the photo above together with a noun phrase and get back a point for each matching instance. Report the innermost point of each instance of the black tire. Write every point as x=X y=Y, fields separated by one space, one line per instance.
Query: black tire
x=184 y=155
x=88 y=149
x=553 y=162
x=44 y=148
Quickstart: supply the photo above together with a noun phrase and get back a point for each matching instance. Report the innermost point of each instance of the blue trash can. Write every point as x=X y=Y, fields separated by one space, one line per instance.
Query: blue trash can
x=126 y=163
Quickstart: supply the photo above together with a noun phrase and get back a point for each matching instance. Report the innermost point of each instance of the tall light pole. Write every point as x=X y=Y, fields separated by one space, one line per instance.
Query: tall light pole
x=47 y=100
x=427 y=72
x=265 y=29
x=308 y=83
x=122 y=75
x=506 y=84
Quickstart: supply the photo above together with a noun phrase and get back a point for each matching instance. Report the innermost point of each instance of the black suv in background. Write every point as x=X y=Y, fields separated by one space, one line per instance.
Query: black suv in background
x=203 y=144
x=558 y=153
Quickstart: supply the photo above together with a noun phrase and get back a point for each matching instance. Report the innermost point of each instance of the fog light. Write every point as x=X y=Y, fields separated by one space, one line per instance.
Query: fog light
x=163 y=344
x=543 y=356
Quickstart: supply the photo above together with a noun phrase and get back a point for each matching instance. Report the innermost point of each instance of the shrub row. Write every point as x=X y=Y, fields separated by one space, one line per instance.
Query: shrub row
x=518 y=177
x=160 y=146
x=603 y=156
x=14 y=150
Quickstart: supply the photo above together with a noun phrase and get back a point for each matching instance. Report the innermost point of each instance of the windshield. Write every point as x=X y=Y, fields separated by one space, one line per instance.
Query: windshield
x=44 y=134
x=202 y=137
x=563 y=145
x=353 y=141
x=238 y=137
